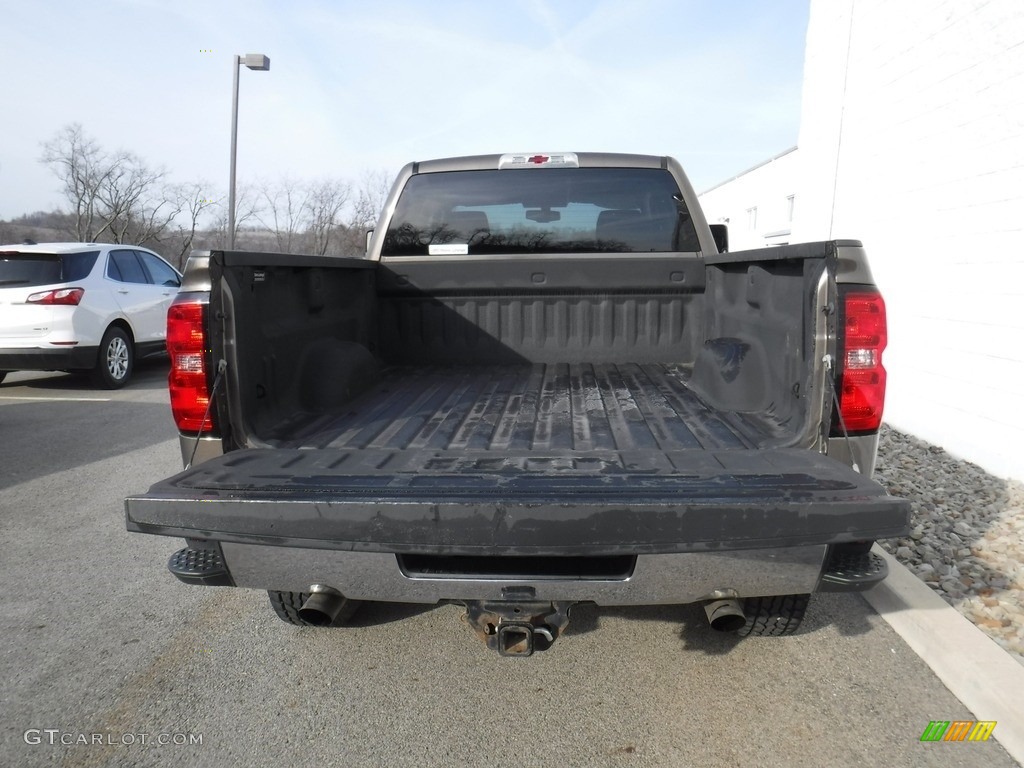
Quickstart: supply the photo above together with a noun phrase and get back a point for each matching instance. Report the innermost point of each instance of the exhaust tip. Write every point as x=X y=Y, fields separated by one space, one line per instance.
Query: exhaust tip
x=322 y=607
x=725 y=615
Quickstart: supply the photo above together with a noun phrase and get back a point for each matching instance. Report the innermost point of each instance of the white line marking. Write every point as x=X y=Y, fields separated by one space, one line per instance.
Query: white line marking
x=59 y=399
x=970 y=663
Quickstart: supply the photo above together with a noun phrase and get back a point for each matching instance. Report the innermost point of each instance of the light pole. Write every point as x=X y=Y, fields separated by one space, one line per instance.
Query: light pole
x=255 y=61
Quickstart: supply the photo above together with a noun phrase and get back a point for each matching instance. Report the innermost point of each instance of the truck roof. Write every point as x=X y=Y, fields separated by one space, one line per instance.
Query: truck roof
x=585 y=160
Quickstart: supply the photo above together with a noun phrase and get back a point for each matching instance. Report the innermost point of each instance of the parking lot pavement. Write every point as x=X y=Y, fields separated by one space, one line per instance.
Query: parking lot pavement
x=100 y=644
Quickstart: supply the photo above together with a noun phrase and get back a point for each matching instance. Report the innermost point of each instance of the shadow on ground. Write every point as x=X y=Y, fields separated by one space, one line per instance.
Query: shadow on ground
x=45 y=437
x=150 y=373
x=848 y=613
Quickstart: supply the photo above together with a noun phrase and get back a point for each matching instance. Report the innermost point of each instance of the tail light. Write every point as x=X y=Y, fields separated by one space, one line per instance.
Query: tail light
x=861 y=376
x=63 y=296
x=188 y=383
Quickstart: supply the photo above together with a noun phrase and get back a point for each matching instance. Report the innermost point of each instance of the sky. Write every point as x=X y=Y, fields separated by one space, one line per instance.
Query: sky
x=357 y=86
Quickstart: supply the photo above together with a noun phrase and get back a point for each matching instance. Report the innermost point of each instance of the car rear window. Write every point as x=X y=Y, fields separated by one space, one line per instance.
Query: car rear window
x=550 y=210
x=44 y=268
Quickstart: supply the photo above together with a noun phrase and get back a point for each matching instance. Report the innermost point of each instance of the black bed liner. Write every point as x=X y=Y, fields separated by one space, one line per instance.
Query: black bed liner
x=483 y=460
x=472 y=504
x=501 y=408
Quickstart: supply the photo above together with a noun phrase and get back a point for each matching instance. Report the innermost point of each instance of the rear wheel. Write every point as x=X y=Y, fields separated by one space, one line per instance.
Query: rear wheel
x=287 y=604
x=773 y=615
x=115 y=360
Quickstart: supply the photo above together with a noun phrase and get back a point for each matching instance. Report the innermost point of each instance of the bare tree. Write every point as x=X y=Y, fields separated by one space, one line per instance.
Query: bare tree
x=370 y=197
x=8 y=232
x=40 y=226
x=325 y=201
x=133 y=201
x=117 y=196
x=304 y=216
x=373 y=193
x=192 y=200
x=284 y=212
x=83 y=168
x=114 y=196
x=248 y=209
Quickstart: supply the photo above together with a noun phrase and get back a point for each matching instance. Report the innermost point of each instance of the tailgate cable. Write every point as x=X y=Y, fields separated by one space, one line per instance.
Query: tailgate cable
x=827 y=360
x=222 y=365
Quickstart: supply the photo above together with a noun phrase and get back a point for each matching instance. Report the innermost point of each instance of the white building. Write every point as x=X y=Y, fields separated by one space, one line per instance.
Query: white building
x=912 y=140
x=757 y=205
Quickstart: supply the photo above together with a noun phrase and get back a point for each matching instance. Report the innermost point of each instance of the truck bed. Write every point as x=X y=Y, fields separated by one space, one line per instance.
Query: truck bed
x=665 y=405
x=504 y=409
x=536 y=458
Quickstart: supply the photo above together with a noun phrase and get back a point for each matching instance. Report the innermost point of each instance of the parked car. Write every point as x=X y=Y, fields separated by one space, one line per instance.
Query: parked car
x=83 y=307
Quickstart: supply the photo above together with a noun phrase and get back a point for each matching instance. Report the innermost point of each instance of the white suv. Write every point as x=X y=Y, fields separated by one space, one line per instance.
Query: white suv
x=82 y=306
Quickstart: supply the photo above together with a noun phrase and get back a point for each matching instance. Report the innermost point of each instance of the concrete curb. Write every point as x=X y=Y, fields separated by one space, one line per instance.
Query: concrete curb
x=972 y=666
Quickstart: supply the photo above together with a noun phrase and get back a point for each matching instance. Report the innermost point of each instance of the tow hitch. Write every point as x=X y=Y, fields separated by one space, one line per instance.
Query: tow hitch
x=514 y=628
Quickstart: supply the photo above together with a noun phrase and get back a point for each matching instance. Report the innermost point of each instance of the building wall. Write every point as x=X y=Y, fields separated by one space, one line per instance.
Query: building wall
x=912 y=140
x=757 y=205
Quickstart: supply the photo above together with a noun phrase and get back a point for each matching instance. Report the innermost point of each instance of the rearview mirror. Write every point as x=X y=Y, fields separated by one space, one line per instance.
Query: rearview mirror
x=721 y=234
x=369 y=237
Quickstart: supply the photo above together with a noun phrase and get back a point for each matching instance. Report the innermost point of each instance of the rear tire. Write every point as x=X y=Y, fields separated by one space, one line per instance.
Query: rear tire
x=773 y=615
x=287 y=604
x=115 y=360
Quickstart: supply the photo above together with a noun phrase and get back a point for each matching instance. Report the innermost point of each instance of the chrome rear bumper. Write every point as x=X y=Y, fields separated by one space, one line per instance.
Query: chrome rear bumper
x=656 y=579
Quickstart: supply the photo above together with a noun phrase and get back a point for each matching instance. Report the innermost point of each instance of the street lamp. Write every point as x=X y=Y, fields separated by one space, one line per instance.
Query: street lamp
x=261 y=63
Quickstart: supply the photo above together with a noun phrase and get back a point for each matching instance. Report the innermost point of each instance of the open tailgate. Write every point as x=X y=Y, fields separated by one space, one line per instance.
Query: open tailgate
x=447 y=502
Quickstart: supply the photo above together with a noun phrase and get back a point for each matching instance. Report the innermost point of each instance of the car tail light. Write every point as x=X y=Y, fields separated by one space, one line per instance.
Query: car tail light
x=62 y=296
x=861 y=380
x=188 y=382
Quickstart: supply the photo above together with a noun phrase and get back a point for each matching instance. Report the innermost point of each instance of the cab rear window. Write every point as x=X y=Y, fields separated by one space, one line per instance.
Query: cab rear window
x=551 y=210
x=29 y=269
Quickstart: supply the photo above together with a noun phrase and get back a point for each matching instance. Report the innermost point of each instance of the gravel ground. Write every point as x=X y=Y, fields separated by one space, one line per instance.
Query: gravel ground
x=967 y=537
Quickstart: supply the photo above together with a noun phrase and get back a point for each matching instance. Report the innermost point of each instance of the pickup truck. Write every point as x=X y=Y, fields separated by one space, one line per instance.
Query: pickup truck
x=547 y=382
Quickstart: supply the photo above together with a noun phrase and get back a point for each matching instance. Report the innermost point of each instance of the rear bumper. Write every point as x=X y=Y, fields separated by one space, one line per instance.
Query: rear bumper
x=772 y=523
x=647 y=579
x=47 y=359
x=654 y=580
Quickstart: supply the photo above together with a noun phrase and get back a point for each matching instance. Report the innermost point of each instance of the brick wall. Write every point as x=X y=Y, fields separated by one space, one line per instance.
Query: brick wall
x=912 y=140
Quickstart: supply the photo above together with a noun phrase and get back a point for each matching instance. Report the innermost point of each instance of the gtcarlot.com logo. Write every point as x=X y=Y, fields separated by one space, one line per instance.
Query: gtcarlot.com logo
x=56 y=737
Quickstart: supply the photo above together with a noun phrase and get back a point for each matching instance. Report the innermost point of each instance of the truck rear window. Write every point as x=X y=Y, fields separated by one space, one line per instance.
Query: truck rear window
x=551 y=210
x=44 y=268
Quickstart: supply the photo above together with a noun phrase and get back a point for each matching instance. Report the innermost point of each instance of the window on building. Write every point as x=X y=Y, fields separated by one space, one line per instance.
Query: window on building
x=789 y=207
x=752 y=218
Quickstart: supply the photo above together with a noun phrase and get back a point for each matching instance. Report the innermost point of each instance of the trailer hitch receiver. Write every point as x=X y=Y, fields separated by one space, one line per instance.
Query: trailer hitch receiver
x=517 y=628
